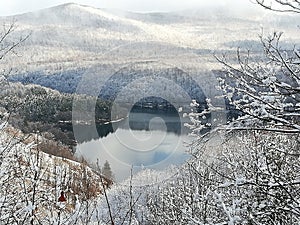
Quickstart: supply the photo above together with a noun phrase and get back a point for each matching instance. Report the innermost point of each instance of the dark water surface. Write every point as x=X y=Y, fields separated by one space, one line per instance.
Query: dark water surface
x=147 y=138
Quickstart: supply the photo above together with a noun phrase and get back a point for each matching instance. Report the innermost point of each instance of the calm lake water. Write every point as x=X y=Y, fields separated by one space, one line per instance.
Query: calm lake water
x=147 y=138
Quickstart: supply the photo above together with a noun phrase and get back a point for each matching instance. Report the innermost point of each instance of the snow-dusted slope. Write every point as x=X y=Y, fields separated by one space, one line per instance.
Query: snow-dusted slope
x=31 y=182
x=70 y=38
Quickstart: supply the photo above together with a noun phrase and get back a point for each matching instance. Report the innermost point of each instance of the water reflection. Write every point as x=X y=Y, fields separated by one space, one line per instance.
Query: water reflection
x=141 y=119
x=146 y=139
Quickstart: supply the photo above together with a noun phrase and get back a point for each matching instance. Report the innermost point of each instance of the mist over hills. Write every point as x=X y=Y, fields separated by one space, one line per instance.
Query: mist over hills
x=68 y=40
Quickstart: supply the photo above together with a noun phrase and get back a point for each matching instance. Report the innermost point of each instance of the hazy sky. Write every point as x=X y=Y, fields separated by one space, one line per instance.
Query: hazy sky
x=12 y=7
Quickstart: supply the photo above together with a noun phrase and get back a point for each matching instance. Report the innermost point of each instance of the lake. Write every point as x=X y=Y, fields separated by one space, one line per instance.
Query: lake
x=147 y=138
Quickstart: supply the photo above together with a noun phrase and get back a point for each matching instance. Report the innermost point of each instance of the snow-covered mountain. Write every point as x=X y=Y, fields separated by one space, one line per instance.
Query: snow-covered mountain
x=67 y=40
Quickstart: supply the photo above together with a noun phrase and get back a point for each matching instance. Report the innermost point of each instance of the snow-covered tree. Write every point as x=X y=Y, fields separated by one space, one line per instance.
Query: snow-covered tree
x=281 y=5
x=266 y=91
x=247 y=173
x=106 y=171
x=251 y=178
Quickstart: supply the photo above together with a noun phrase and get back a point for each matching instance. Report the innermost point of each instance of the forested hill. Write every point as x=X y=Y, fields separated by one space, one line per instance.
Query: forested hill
x=65 y=42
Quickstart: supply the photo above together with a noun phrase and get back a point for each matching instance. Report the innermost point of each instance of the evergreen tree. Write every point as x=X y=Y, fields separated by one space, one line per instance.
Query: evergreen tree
x=106 y=171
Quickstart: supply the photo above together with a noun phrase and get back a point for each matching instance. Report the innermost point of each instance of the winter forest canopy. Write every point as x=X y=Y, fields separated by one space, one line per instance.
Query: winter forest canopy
x=235 y=77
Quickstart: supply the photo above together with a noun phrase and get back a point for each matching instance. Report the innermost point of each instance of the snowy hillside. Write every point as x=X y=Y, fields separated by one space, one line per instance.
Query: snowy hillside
x=67 y=40
x=241 y=164
x=31 y=182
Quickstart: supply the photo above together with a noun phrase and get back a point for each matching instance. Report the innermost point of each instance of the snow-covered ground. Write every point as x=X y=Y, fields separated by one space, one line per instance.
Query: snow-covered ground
x=68 y=41
x=251 y=178
x=31 y=182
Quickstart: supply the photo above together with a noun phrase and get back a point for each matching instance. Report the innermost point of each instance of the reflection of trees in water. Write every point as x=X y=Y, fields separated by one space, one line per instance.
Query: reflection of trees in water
x=141 y=118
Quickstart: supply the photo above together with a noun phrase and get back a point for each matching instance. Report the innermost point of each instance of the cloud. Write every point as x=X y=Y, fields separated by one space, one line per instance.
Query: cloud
x=6 y=7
